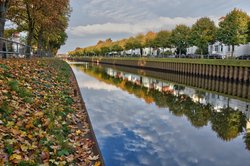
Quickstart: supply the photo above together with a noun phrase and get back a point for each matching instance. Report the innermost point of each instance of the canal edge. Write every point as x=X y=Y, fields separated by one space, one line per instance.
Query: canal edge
x=92 y=134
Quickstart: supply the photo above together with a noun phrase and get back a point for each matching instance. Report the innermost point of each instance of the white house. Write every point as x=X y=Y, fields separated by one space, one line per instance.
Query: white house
x=132 y=52
x=225 y=50
x=156 y=51
x=149 y=51
x=192 y=50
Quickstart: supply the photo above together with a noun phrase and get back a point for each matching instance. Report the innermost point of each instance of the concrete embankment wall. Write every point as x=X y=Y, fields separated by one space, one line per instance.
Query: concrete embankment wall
x=235 y=73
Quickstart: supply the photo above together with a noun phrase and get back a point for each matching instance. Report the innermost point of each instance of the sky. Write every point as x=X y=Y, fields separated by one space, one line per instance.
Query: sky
x=94 y=20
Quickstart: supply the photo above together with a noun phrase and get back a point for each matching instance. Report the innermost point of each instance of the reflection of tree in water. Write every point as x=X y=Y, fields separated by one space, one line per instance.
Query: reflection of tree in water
x=198 y=114
x=179 y=88
x=227 y=122
x=247 y=140
x=200 y=94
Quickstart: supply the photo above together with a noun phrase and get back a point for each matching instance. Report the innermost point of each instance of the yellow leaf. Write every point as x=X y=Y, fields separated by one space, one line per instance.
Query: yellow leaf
x=30 y=136
x=24 y=148
x=78 y=132
x=23 y=134
x=39 y=114
x=98 y=163
x=15 y=156
x=10 y=124
x=11 y=141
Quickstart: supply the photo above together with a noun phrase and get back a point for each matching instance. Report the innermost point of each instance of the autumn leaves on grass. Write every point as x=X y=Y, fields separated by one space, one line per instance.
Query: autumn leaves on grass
x=41 y=120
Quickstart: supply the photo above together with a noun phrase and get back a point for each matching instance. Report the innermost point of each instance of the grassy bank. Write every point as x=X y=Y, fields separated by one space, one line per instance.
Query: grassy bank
x=228 y=62
x=42 y=119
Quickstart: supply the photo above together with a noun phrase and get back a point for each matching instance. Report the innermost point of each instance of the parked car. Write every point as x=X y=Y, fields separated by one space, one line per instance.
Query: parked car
x=214 y=56
x=170 y=56
x=180 y=56
x=243 y=57
x=193 y=56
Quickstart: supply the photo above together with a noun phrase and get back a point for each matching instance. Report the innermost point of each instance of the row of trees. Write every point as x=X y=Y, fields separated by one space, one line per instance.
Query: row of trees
x=44 y=21
x=234 y=29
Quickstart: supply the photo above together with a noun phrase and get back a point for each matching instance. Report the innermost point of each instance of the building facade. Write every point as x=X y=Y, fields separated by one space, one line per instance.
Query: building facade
x=225 y=50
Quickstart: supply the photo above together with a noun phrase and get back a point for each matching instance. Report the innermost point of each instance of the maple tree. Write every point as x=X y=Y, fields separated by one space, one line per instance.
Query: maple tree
x=203 y=33
x=234 y=29
x=150 y=39
x=163 y=39
x=44 y=21
x=180 y=38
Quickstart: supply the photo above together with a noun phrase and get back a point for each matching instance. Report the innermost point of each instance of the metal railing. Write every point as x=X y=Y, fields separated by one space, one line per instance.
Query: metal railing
x=14 y=49
x=10 y=48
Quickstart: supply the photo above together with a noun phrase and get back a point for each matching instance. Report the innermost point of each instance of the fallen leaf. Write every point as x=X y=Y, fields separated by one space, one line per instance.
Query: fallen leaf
x=70 y=158
x=24 y=148
x=45 y=155
x=78 y=132
x=93 y=157
x=39 y=114
x=30 y=136
x=15 y=156
x=98 y=163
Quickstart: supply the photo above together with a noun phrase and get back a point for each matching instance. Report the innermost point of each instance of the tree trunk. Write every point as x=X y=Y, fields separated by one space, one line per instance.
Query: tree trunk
x=29 y=41
x=2 y=18
x=30 y=30
x=40 y=44
x=232 y=53
x=3 y=10
x=141 y=51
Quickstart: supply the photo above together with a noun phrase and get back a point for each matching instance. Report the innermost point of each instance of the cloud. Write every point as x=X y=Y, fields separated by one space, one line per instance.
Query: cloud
x=92 y=20
x=131 y=28
x=128 y=128
x=92 y=84
x=115 y=10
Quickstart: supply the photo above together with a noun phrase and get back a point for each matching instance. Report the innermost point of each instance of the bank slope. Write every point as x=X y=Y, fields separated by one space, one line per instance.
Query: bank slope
x=42 y=116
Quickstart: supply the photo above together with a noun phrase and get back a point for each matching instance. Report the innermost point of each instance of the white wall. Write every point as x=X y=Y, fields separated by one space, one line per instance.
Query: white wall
x=242 y=50
x=192 y=50
x=222 y=49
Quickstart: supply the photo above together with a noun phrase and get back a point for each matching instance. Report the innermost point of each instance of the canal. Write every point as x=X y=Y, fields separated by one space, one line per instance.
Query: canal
x=140 y=118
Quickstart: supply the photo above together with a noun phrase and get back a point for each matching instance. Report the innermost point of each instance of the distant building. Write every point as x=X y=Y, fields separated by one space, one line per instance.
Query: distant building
x=16 y=37
x=225 y=50
x=192 y=50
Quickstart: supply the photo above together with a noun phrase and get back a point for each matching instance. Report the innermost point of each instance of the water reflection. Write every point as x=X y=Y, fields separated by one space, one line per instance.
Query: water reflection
x=132 y=134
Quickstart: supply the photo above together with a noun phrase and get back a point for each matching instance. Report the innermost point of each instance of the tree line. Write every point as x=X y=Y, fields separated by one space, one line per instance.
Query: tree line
x=44 y=21
x=233 y=30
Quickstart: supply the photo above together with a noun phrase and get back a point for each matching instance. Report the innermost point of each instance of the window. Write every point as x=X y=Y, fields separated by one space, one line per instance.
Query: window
x=216 y=48
x=228 y=49
x=221 y=48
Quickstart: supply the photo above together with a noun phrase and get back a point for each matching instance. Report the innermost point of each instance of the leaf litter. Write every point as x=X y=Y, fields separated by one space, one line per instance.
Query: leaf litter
x=42 y=118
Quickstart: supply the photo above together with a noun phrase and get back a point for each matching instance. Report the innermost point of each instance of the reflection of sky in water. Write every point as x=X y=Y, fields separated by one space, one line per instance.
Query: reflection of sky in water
x=131 y=132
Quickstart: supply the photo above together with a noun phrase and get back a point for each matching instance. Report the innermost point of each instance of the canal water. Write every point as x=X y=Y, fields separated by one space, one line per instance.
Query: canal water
x=143 y=120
